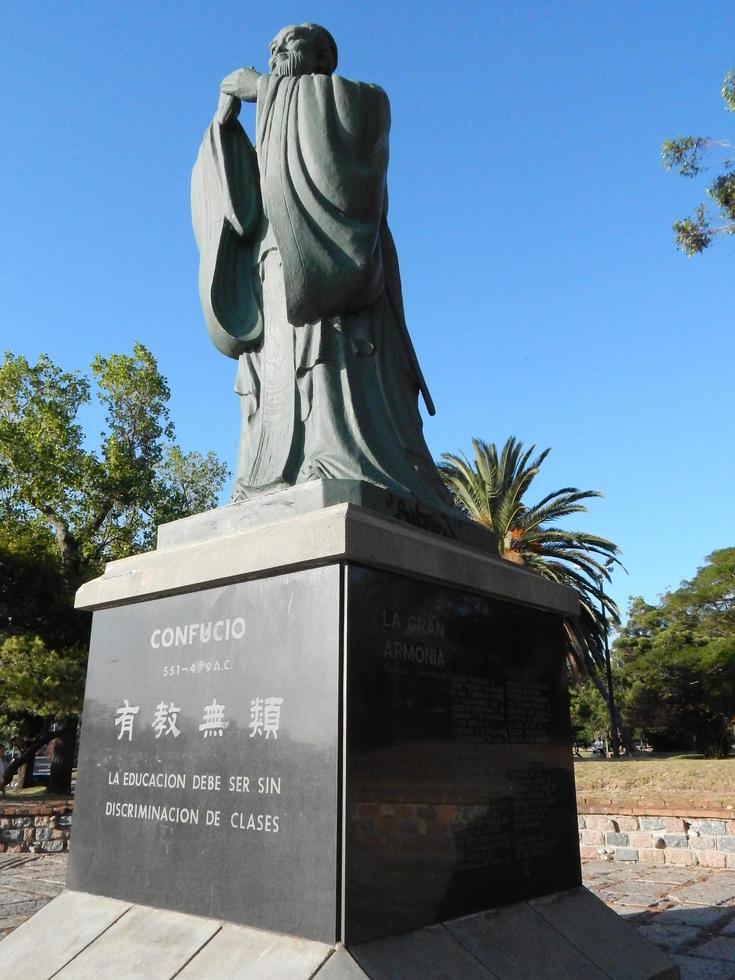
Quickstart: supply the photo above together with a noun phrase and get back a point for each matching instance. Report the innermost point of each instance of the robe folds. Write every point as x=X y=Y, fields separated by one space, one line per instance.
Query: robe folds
x=299 y=280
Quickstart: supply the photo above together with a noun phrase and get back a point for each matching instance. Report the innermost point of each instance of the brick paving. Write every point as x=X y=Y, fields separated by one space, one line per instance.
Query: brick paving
x=687 y=911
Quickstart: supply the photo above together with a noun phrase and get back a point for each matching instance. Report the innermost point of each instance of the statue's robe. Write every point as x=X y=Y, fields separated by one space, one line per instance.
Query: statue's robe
x=299 y=280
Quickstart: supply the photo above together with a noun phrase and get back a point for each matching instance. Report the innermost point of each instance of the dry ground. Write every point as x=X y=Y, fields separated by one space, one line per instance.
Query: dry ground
x=653 y=777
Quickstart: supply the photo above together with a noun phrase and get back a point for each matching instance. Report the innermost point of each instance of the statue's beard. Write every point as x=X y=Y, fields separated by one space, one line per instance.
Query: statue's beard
x=293 y=64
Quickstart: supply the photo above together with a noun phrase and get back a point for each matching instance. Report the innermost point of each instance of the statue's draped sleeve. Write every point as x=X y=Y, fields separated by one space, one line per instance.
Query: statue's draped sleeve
x=319 y=176
x=323 y=155
x=227 y=214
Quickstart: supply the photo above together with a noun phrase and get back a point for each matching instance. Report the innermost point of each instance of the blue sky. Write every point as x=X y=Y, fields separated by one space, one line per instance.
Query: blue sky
x=530 y=209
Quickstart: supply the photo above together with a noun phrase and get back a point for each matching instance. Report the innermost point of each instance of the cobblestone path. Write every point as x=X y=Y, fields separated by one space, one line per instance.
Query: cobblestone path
x=27 y=882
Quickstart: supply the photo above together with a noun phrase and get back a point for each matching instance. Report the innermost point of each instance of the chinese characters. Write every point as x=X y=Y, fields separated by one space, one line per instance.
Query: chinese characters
x=124 y=717
x=164 y=721
x=265 y=719
x=213 y=723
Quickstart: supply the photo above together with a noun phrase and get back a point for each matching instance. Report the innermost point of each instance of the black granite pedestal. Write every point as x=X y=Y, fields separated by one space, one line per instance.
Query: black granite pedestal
x=336 y=753
x=458 y=779
x=341 y=729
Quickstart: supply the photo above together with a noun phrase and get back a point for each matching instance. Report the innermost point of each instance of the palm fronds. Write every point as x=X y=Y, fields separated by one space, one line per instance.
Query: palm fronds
x=491 y=488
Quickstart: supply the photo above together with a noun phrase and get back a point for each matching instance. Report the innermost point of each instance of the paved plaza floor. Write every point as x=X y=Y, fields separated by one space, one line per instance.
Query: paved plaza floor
x=689 y=912
x=27 y=882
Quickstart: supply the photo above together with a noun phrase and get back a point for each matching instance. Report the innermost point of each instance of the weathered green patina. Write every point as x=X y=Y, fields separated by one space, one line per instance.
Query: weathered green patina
x=299 y=278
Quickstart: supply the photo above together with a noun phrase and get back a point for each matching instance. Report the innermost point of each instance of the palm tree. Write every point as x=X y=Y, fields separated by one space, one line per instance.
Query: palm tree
x=490 y=489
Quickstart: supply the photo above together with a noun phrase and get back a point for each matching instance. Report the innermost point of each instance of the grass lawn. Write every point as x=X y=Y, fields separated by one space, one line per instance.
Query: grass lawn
x=38 y=793
x=658 y=776
x=34 y=794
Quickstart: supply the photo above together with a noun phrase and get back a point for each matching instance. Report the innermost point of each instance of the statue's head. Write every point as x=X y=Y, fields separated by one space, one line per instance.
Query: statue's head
x=303 y=49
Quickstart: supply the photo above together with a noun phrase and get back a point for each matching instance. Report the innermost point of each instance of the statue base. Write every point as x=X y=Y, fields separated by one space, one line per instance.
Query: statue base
x=315 y=495
x=344 y=731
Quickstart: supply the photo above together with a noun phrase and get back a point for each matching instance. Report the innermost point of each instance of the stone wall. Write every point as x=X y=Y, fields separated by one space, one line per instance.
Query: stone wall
x=38 y=827
x=650 y=834
x=657 y=834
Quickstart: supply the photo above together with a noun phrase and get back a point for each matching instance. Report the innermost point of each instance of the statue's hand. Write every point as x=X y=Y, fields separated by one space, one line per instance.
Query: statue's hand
x=243 y=84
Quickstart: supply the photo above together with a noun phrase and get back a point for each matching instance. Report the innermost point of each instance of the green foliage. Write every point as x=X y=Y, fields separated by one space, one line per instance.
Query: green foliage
x=589 y=712
x=34 y=596
x=66 y=509
x=728 y=91
x=490 y=489
x=135 y=397
x=42 y=463
x=679 y=662
x=722 y=192
x=101 y=503
x=695 y=234
x=686 y=155
x=41 y=682
x=185 y=483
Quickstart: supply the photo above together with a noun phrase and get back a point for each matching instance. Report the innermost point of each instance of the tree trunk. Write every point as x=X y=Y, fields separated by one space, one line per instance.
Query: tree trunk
x=24 y=775
x=27 y=755
x=62 y=761
x=623 y=731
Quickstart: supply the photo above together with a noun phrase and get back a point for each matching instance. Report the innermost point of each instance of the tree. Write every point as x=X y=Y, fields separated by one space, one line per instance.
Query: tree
x=678 y=661
x=589 y=712
x=35 y=605
x=67 y=509
x=490 y=489
x=686 y=155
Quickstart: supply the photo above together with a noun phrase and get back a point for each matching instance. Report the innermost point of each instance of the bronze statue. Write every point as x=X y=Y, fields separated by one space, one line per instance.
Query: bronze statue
x=299 y=278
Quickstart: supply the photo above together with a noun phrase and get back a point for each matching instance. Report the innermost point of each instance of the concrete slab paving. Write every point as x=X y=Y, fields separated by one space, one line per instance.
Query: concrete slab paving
x=143 y=944
x=341 y=966
x=69 y=923
x=506 y=939
x=719 y=948
x=585 y=921
x=250 y=954
x=676 y=921
x=696 y=968
x=431 y=954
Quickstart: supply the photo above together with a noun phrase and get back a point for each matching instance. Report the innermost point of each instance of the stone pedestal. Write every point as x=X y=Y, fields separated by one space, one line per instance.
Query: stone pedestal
x=338 y=746
x=338 y=728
